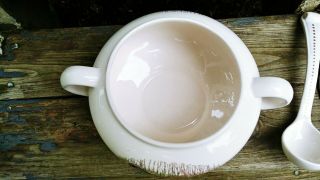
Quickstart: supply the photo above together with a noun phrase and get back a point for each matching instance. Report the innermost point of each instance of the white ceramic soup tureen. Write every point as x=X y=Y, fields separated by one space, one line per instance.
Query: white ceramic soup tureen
x=176 y=93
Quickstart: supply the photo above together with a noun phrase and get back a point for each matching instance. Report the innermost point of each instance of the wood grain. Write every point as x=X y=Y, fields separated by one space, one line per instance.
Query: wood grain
x=276 y=42
x=42 y=56
x=56 y=137
x=46 y=132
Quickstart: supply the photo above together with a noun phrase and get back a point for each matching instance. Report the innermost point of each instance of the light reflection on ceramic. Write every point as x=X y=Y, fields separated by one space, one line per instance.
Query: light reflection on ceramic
x=187 y=67
x=176 y=93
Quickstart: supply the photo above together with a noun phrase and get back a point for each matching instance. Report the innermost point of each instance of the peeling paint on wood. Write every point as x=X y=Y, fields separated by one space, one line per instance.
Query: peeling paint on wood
x=244 y=21
x=11 y=74
x=10 y=141
x=16 y=119
x=19 y=105
x=48 y=146
x=30 y=176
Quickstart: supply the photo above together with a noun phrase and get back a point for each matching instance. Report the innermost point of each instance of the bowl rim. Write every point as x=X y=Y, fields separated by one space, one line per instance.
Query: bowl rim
x=230 y=39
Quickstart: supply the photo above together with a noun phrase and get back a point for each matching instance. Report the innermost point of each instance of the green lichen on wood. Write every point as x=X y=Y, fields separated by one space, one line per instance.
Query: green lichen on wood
x=1 y=40
x=308 y=6
x=6 y=21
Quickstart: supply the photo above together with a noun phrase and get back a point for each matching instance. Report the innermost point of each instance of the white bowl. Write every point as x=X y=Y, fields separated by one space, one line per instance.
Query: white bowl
x=176 y=93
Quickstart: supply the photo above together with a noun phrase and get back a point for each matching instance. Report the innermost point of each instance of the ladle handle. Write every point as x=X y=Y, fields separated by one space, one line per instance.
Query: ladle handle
x=311 y=26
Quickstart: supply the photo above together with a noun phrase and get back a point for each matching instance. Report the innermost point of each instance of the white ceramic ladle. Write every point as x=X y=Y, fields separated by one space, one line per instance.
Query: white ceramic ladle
x=301 y=140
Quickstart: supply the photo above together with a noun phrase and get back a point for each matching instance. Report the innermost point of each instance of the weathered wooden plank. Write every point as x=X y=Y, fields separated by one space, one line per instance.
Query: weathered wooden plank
x=31 y=80
x=42 y=56
x=56 y=137
x=277 y=43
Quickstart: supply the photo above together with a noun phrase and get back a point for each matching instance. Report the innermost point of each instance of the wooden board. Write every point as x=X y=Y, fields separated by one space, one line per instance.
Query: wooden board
x=36 y=65
x=46 y=132
x=277 y=43
x=56 y=137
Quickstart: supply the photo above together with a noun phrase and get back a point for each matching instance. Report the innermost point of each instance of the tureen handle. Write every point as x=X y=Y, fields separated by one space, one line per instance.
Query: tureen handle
x=78 y=79
x=275 y=92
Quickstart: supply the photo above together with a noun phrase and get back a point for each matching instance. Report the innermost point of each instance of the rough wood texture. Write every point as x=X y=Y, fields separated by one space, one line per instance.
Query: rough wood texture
x=308 y=6
x=46 y=132
x=7 y=22
x=276 y=43
x=56 y=137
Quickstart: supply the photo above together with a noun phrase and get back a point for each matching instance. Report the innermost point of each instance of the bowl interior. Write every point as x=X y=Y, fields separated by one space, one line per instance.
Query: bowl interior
x=173 y=81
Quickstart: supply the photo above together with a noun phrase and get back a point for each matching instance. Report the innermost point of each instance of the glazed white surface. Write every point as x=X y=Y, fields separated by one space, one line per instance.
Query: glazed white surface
x=173 y=81
x=214 y=151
